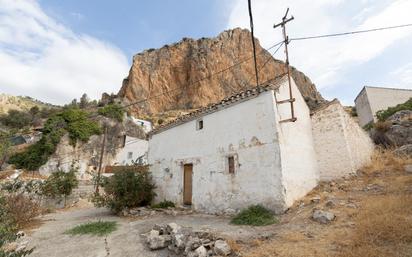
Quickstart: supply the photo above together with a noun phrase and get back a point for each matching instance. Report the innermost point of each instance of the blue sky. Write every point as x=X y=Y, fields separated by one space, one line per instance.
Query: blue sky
x=56 y=50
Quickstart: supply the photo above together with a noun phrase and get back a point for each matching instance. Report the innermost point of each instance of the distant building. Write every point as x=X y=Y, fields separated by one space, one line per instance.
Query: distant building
x=146 y=125
x=373 y=99
x=134 y=150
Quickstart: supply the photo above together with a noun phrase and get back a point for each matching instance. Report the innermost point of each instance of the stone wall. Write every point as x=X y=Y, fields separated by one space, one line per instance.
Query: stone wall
x=341 y=145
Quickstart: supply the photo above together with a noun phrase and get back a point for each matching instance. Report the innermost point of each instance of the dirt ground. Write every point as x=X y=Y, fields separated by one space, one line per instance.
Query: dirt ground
x=49 y=238
x=373 y=218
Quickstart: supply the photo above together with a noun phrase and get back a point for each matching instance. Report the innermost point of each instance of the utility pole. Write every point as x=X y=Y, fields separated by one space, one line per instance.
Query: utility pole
x=101 y=160
x=291 y=100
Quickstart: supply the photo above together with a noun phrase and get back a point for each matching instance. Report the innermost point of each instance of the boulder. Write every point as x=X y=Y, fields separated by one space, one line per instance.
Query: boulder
x=323 y=217
x=173 y=228
x=179 y=241
x=157 y=241
x=408 y=168
x=201 y=251
x=222 y=248
x=404 y=150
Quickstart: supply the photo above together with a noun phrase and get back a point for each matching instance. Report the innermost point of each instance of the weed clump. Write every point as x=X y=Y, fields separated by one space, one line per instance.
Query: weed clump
x=255 y=215
x=98 y=228
x=163 y=205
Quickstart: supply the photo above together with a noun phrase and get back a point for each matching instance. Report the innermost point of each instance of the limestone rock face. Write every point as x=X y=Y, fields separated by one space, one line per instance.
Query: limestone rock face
x=179 y=69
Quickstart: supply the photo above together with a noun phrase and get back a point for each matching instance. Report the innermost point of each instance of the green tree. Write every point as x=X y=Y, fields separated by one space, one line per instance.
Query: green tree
x=60 y=184
x=113 y=111
x=84 y=101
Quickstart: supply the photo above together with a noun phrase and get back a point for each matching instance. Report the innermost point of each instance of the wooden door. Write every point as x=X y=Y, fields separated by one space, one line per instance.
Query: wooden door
x=187 y=184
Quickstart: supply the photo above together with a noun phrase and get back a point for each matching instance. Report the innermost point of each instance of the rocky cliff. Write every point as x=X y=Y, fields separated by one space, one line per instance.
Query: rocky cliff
x=172 y=77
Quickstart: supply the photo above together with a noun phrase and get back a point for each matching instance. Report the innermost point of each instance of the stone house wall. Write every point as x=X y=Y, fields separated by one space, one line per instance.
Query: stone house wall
x=341 y=145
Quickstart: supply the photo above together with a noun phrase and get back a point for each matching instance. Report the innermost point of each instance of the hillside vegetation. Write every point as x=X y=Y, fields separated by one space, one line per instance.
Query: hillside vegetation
x=20 y=103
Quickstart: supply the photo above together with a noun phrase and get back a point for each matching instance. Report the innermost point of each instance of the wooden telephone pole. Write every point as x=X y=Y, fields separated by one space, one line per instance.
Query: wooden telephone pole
x=99 y=172
x=291 y=100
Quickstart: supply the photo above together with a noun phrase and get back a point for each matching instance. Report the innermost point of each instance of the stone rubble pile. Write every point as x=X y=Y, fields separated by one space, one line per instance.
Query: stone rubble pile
x=186 y=242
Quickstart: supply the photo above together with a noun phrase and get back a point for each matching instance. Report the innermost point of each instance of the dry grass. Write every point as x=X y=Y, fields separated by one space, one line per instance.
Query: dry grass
x=380 y=226
x=384 y=228
x=5 y=174
x=384 y=160
x=234 y=245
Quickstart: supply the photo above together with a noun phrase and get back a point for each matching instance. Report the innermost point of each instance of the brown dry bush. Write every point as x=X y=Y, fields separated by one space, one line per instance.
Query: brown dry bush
x=22 y=209
x=384 y=160
x=384 y=228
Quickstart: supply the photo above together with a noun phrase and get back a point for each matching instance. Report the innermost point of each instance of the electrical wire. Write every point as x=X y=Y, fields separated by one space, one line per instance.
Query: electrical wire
x=351 y=32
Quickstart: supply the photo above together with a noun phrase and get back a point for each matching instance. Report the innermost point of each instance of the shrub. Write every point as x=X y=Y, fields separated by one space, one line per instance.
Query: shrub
x=16 y=119
x=128 y=189
x=163 y=205
x=79 y=126
x=384 y=114
x=22 y=209
x=8 y=229
x=255 y=215
x=113 y=111
x=71 y=120
x=60 y=184
x=98 y=228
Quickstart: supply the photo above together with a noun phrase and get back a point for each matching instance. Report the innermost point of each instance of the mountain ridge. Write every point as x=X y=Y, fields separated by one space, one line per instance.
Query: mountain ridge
x=192 y=73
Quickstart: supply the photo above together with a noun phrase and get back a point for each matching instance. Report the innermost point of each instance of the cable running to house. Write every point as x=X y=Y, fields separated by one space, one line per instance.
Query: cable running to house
x=271 y=57
x=351 y=32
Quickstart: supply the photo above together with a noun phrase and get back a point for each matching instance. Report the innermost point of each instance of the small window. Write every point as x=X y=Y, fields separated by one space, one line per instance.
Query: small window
x=231 y=163
x=199 y=124
x=129 y=155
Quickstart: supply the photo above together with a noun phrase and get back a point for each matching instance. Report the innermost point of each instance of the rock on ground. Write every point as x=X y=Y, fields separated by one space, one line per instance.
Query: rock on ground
x=323 y=217
x=157 y=241
x=404 y=150
x=222 y=248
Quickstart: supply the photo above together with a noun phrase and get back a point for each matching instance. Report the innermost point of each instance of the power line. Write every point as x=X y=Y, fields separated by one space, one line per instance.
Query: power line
x=267 y=60
x=204 y=78
x=351 y=32
x=253 y=40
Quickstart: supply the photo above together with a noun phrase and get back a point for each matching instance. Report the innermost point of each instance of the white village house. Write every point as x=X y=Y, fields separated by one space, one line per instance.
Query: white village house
x=134 y=150
x=239 y=152
x=373 y=99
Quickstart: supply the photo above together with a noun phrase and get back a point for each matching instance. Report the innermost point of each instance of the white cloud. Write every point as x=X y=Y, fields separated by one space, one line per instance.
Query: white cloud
x=403 y=75
x=42 y=58
x=325 y=60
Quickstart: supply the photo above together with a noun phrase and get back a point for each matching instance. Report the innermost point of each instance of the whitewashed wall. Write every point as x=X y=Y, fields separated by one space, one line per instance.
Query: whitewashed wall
x=299 y=166
x=137 y=147
x=342 y=146
x=373 y=99
x=248 y=130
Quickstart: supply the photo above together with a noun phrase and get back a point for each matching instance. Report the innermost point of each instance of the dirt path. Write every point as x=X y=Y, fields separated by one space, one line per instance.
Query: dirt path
x=49 y=239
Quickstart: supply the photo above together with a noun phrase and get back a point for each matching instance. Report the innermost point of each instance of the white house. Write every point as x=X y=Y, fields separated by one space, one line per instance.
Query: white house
x=373 y=99
x=236 y=153
x=146 y=125
x=134 y=150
